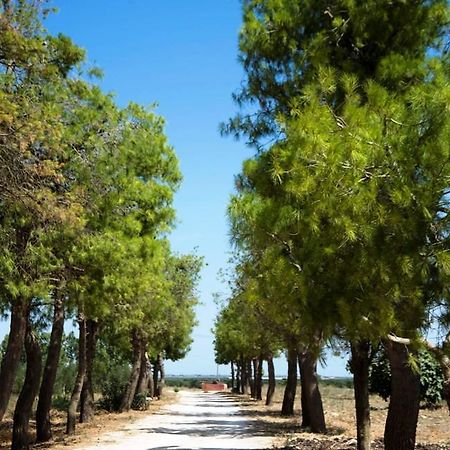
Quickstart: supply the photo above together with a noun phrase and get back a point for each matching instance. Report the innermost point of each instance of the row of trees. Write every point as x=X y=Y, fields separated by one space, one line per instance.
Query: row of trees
x=340 y=220
x=86 y=193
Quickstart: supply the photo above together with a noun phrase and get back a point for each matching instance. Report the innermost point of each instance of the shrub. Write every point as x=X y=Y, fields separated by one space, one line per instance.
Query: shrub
x=431 y=378
x=112 y=391
x=60 y=402
x=140 y=402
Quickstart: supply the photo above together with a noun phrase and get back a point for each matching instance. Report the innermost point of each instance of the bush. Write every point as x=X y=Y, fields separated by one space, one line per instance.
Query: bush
x=112 y=391
x=140 y=402
x=340 y=382
x=60 y=403
x=183 y=382
x=431 y=378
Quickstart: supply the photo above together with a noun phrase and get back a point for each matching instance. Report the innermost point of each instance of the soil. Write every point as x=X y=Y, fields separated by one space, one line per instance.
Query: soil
x=433 y=431
x=86 y=433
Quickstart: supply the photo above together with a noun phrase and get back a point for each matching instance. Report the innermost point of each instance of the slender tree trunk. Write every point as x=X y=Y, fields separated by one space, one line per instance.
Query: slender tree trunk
x=254 y=372
x=79 y=381
x=251 y=378
x=43 y=423
x=360 y=363
x=313 y=399
x=246 y=378
x=144 y=373
x=232 y=376
x=401 y=422
x=151 y=383
x=162 y=371
x=24 y=405
x=11 y=359
x=155 y=379
x=238 y=378
x=258 y=378
x=271 y=386
x=306 y=419
x=287 y=408
x=128 y=397
x=87 y=403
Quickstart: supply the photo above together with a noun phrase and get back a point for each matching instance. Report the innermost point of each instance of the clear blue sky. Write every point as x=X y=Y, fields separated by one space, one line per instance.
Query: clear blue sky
x=182 y=55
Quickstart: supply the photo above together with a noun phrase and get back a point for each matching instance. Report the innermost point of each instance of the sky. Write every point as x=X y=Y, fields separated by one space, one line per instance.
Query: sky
x=183 y=56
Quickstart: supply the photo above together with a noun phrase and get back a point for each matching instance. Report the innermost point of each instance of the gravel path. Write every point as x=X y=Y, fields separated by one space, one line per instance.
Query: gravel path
x=203 y=421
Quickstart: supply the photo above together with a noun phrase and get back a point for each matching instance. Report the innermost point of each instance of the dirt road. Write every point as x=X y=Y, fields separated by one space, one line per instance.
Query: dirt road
x=203 y=421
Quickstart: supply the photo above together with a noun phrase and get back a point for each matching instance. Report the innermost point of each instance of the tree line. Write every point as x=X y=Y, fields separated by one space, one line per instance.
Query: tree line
x=340 y=220
x=86 y=205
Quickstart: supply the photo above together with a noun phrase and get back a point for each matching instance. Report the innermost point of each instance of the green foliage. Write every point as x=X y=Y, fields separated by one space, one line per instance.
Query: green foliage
x=431 y=377
x=140 y=402
x=60 y=403
x=183 y=382
x=340 y=383
x=283 y=44
x=113 y=388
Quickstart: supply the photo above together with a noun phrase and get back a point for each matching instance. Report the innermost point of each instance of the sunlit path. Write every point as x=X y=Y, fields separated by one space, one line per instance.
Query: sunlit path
x=198 y=420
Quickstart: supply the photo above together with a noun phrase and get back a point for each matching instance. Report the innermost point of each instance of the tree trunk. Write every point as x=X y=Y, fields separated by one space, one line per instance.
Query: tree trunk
x=87 y=404
x=144 y=373
x=128 y=397
x=79 y=381
x=246 y=378
x=11 y=359
x=238 y=378
x=313 y=400
x=24 y=405
x=287 y=408
x=151 y=383
x=162 y=371
x=271 y=386
x=43 y=423
x=401 y=422
x=232 y=376
x=254 y=372
x=306 y=419
x=250 y=377
x=360 y=364
x=155 y=378
x=258 y=378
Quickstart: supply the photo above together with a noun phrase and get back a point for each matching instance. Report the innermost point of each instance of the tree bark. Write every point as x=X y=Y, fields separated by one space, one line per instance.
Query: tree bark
x=130 y=391
x=162 y=371
x=306 y=419
x=238 y=378
x=313 y=399
x=360 y=364
x=11 y=359
x=246 y=384
x=258 y=378
x=87 y=403
x=253 y=386
x=24 y=405
x=79 y=381
x=250 y=377
x=401 y=422
x=271 y=385
x=155 y=378
x=287 y=408
x=151 y=384
x=144 y=373
x=232 y=376
x=43 y=423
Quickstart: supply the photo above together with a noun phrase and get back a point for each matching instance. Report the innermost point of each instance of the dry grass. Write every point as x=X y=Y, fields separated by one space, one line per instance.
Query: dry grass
x=86 y=433
x=433 y=427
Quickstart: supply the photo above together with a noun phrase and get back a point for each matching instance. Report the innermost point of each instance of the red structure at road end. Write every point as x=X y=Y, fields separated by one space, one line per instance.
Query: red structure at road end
x=214 y=386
